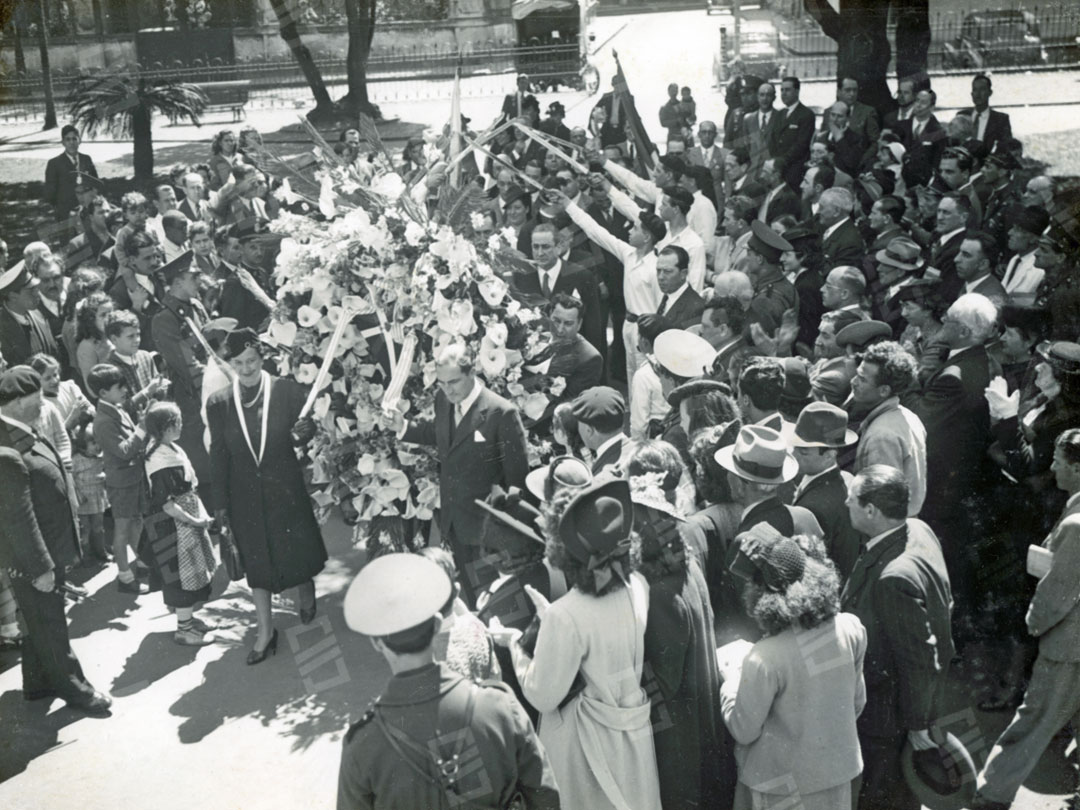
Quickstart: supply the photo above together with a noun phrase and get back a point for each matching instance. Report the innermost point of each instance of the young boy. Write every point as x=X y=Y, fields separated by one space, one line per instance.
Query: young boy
x=137 y=365
x=123 y=444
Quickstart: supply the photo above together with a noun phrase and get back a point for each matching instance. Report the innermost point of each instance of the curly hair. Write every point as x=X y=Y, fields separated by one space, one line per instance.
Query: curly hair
x=84 y=281
x=708 y=409
x=709 y=477
x=896 y=367
x=215 y=145
x=576 y=573
x=86 y=317
x=811 y=601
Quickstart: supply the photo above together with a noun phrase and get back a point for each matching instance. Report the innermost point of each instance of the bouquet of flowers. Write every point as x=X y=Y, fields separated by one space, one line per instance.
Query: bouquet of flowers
x=368 y=293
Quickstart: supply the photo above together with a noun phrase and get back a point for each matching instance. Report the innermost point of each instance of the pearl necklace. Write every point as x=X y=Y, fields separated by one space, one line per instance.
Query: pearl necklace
x=251 y=403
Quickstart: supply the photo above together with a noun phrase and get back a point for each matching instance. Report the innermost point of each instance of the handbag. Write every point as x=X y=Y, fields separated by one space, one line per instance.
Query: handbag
x=230 y=557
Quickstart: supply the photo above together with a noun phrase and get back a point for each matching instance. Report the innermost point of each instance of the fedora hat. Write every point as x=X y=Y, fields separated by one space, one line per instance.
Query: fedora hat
x=823 y=425
x=598 y=521
x=902 y=253
x=759 y=455
x=942 y=778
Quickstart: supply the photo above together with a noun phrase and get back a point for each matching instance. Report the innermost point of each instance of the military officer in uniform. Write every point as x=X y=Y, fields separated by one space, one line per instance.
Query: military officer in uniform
x=773 y=293
x=432 y=739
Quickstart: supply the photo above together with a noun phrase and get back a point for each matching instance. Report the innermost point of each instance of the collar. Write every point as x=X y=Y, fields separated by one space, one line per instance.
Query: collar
x=607 y=445
x=673 y=297
x=52 y=306
x=553 y=273
x=733 y=342
x=25 y=428
x=887 y=404
x=467 y=403
x=971 y=286
x=877 y=538
x=422 y=685
x=755 y=505
x=809 y=479
x=22 y=320
x=791 y=109
x=947 y=236
x=832 y=228
x=1074 y=499
x=127 y=361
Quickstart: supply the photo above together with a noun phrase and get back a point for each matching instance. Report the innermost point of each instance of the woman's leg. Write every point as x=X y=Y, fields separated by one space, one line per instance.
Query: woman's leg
x=263 y=616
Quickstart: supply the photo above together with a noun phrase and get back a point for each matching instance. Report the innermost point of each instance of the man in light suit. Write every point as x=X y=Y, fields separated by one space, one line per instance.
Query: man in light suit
x=900 y=591
x=755 y=126
x=64 y=174
x=708 y=154
x=1052 y=699
x=790 y=132
x=40 y=538
x=481 y=443
x=990 y=125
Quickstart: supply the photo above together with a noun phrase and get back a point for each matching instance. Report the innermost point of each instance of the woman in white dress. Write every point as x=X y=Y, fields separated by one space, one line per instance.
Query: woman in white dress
x=584 y=675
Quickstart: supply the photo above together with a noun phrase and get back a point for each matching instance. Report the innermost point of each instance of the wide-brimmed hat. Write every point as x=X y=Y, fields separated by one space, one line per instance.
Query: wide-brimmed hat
x=902 y=253
x=394 y=593
x=684 y=354
x=821 y=424
x=595 y=529
x=759 y=455
x=942 y=778
x=510 y=523
x=562 y=472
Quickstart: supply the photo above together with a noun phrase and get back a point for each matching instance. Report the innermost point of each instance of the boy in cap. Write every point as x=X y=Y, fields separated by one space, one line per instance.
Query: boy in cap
x=41 y=538
x=433 y=738
x=600 y=412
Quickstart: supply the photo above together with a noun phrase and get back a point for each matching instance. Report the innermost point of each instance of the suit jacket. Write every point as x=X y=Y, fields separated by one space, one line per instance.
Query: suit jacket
x=754 y=139
x=572 y=280
x=844 y=246
x=580 y=364
x=849 y=152
x=808 y=284
x=696 y=157
x=991 y=288
x=685 y=311
x=1054 y=613
x=487 y=448
x=60 y=184
x=998 y=127
x=611 y=456
x=38 y=473
x=785 y=201
x=922 y=155
x=123 y=449
x=19 y=343
x=789 y=139
x=900 y=591
x=198 y=214
x=86 y=248
x=826 y=497
x=953 y=409
x=943 y=258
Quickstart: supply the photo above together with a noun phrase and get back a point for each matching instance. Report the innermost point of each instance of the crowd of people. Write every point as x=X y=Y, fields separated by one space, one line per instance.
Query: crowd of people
x=822 y=395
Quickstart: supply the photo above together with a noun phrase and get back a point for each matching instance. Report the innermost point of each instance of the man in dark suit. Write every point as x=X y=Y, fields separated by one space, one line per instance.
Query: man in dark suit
x=738 y=180
x=755 y=126
x=862 y=118
x=63 y=174
x=480 y=443
x=553 y=125
x=952 y=406
x=554 y=275
x=600 y=412
x=975 y=265
x=679 y=302
x=570 y=356
x=924 y=138
x=780 y=200
x=900 y=591
x=819 y=434
x=847 y=146
x=242 y=295
x=193 y=206
x=990 y=125
x=790 y=132
x=514 y=104
x=23 y=331
x=841 y=242
x=40 y=538
x=953 y=216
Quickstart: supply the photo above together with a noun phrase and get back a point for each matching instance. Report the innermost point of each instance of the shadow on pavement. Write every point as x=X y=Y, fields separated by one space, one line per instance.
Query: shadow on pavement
x=29 y=731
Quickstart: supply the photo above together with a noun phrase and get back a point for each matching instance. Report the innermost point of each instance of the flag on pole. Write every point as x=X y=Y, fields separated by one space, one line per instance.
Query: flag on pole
x=623 y=106
x=455 y=127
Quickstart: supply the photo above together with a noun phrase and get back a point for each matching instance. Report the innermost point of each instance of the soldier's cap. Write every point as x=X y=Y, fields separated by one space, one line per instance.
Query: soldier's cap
x=802 y=239
x=220 y=325
x=1005 y=159
x=18 y=382
x=597 y=404
x=181 y=264
x=862 y=334
x=248 y=228
x=87 y=182
x=683 y=354
x=17 y=278
x=1029 y=218
x=902 y=253
x=929 y=190
x=394 y=593
x=767 y=242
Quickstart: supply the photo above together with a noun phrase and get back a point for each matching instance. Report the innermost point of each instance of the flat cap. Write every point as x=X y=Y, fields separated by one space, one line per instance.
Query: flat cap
x=395 y=592
x=18 y=382
x=767 y=242
x=831 y=385
x=862 y=334
x=598 y=403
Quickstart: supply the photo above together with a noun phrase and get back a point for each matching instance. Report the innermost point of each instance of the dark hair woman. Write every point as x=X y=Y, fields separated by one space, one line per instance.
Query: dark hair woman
x=598 y=739
x=774 y=702
x=91 y=347
x=257 y=477
x=223 y=156
x=694 y=756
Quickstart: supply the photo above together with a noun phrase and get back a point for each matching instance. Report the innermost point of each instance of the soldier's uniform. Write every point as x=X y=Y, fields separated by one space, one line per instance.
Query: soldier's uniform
x=433 y=739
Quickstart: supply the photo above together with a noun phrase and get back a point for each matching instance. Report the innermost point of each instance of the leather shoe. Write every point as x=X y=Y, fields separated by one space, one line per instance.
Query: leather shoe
x=97 y=705
x=980 y=803
x=10 y=642
x=38 y=694
x=135 y=587
x=307 y=615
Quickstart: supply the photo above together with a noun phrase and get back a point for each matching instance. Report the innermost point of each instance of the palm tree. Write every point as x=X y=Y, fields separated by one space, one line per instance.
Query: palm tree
x=125 y=103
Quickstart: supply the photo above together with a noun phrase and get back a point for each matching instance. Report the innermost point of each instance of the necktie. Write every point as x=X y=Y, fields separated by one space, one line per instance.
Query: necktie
x=663 y=305
x=545 y=284
x=1010 y=270
x=916 y=129
x=764 y=121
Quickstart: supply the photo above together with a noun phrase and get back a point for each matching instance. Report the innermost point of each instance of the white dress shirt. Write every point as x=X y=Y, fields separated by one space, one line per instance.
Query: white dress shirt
x=1021 y=274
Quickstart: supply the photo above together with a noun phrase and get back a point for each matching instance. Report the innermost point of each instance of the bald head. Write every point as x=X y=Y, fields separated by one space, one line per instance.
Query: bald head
x=1039 y=191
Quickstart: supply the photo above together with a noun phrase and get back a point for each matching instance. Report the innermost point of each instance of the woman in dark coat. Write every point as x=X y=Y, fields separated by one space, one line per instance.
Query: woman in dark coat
x=267 y=510
x=694 y=755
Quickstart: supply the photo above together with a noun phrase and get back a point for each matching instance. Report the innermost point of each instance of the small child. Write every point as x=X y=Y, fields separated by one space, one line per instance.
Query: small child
x=143 y=381
x=88 y=470
x=123 y=445
x=688 y=107
x=178 y=523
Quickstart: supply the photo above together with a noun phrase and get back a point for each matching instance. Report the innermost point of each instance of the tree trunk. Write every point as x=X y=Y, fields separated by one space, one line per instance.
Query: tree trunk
x=324 y=105
x=20 y=57
x=99 y=18
x=361 y=21
x=46 y=71
x=143 y=144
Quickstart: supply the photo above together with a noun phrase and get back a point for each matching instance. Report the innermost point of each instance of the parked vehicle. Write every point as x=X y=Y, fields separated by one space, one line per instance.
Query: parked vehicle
x=995 y=39
x=553 y=43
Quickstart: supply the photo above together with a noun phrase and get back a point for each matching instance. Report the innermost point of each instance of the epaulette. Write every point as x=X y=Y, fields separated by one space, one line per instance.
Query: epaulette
x=365 y=718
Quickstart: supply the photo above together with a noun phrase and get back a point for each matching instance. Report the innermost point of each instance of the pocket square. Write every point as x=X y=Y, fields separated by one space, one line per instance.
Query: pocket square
x=478 y=436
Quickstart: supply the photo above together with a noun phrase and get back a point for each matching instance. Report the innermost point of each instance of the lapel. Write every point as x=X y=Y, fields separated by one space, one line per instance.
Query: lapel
x=1052 y=539
x=469 y=422
x=888 y=549
x=753 y=517
x=819 y=482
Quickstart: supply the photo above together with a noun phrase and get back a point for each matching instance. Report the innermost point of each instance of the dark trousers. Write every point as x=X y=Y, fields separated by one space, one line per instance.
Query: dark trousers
x=882 y=785
x=475 y=569
x=48 y=661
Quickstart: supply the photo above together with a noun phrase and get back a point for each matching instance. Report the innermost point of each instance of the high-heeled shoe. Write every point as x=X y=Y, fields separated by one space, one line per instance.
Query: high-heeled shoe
x=307 y=615
x=258 y=656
